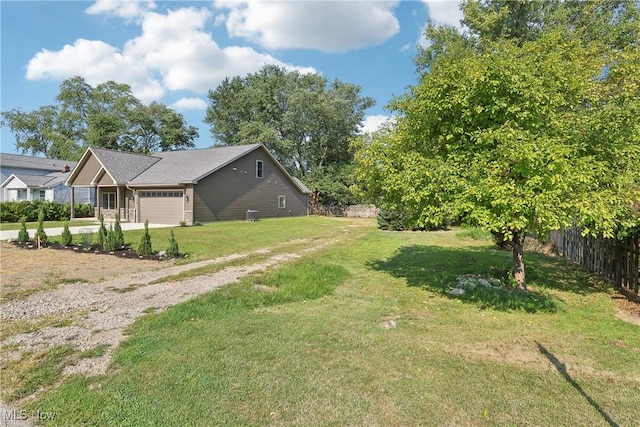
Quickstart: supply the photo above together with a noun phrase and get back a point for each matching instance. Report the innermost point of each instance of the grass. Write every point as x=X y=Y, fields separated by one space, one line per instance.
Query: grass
x=5 y=226
x=96 y=351
x=310 y=344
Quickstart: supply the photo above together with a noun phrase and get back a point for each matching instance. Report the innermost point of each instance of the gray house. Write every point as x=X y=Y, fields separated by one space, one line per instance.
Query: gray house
x=205 y=185
x=37 y=178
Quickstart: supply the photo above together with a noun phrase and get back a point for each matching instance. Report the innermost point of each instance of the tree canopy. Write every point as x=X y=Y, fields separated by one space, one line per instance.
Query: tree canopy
x=523 y=124
x=303 y=119
x=107 y=115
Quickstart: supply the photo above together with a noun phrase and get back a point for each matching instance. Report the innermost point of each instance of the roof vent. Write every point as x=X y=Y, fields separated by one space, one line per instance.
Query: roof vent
x=66 y=168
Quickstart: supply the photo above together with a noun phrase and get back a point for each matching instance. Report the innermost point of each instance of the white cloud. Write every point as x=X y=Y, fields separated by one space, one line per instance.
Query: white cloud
x=97 y=62
x=329 y=26
x=445 y=12
x=373 y=123
x=189 y=104
x=173 y=52
x=127 y=9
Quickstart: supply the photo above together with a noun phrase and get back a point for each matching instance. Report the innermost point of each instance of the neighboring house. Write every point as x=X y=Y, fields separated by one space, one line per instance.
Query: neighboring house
x=203 y=185
x=37 y=178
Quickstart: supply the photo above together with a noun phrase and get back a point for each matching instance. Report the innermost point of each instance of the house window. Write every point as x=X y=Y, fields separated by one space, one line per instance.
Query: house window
x=22 y=195
x=41 y=195
x=108 y=200
x=282 y=202
x=259 y=169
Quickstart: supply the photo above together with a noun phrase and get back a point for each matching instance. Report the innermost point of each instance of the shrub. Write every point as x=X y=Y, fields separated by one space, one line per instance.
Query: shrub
x=396 y=221
x=86 y=239
x=66 y=237
x=23 y=234
x=172 y=250
x=41 y=236
x=53 y=211
x=117 y=230
x=144 y=247
x=102 y=231
x=109 y=243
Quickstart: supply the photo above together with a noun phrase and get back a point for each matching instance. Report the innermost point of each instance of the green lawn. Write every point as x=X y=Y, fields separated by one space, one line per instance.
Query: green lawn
x=364 y=333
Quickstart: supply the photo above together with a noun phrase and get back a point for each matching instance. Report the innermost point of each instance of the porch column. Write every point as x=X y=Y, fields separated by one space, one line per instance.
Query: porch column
x=119 y=201
x=73 y=204
x=29 y=196
x=98 y=198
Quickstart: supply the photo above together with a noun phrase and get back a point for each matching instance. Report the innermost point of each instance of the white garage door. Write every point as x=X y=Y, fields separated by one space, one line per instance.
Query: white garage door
x=161 y=207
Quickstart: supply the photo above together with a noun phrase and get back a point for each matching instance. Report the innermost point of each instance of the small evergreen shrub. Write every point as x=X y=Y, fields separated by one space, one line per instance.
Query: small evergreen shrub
x=172 y=250
x=66 y=237
x=117 y=230
x=86 y=239
x=109 y=244
x=40 y=233
x=144 y=247
x=102 y=231
x=23 y=234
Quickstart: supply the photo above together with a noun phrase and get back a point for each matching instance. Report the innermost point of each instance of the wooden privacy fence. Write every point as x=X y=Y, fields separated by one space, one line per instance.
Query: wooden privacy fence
x=353 y=211
x=616 y=259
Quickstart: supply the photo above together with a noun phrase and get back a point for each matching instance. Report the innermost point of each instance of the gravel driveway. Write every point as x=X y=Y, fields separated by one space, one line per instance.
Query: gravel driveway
x=89 y=314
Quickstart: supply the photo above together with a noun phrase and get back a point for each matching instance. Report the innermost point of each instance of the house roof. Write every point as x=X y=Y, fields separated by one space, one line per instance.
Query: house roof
x=121 y=166
x=189 y=166
x=169 y=167
x=32 y=162
x=38 y=181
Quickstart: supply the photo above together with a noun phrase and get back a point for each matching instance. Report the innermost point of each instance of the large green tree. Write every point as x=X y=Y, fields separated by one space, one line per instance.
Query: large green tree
x=107 y=115
x=513 y=133
x=305 y=120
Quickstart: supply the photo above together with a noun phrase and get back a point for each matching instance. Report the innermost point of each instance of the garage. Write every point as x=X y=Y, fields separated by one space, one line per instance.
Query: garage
x=161 y=207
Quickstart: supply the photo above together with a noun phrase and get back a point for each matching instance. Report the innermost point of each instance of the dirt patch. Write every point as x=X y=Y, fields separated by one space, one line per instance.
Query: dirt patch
x=24 y=272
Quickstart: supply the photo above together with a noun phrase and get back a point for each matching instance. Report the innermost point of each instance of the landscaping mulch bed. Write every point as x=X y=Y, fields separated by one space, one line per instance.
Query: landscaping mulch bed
x=95 y=248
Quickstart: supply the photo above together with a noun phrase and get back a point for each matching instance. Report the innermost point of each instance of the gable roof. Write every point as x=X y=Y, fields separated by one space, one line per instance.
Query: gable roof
x=190 y=166
x=122 y=167
x=32 y=162
x=37 y=181
x=170 y=167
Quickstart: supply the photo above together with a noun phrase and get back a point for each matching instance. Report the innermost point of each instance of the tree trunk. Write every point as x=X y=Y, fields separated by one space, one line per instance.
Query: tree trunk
x=517 y=246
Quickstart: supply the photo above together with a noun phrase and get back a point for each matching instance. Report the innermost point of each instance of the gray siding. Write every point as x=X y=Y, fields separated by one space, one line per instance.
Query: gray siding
x=228 y=193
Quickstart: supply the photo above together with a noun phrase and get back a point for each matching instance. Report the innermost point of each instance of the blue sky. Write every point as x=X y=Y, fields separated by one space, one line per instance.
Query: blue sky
x=174 y=52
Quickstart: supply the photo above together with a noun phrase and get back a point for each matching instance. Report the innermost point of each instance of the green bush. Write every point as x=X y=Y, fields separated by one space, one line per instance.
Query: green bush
x=144 y=247
x=109 y=243
x=66 y=237
x=173 y=250
x=396 y=221
x=117 y=231
x=102 y=231
x=41 y=236
x=53 y=211
x=23 y=234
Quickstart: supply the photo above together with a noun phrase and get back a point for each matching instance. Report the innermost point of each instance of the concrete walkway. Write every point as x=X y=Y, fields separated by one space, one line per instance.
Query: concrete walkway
x=57 y=231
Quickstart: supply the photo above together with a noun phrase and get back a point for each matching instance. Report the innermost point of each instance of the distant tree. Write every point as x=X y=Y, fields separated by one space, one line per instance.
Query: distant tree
x=107 y=115
x=303 y=119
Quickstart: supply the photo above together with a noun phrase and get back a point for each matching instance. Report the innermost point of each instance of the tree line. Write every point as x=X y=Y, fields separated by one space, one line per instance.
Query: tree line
x=107 y=115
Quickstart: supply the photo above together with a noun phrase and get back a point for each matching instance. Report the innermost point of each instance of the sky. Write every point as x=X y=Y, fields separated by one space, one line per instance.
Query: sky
x=175 y=52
